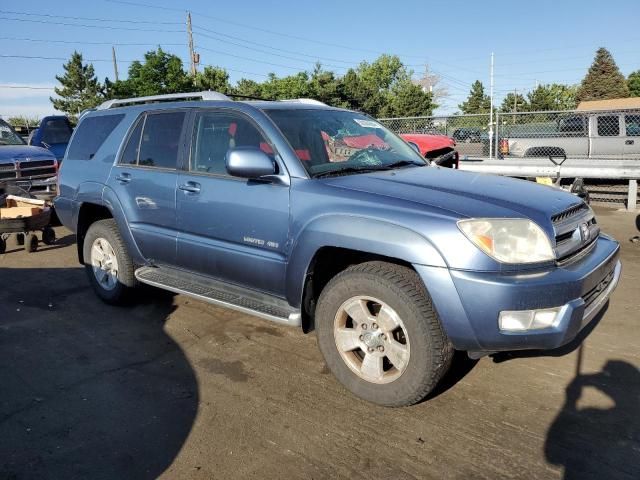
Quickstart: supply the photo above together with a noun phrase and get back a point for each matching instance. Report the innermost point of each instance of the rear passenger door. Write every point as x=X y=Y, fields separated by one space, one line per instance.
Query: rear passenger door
x=607 y=141
x=145 y=179
x=230 y=228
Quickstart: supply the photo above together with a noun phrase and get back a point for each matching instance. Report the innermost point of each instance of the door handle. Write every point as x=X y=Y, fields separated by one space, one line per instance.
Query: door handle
x=629 y=142
x=190 y=187
x=124 y=178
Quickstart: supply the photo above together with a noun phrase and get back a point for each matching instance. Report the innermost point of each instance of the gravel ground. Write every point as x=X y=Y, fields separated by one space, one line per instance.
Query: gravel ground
x=175 y=388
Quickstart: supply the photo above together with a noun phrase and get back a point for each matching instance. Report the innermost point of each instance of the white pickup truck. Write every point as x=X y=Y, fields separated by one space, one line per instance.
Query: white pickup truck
x=576 y=134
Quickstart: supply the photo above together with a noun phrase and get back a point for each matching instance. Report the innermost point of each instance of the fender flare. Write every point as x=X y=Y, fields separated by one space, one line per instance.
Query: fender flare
x=367 y=235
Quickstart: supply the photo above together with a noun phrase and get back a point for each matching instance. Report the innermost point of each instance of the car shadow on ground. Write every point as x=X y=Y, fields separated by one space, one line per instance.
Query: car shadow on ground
x=99 y=392
x=610 y=435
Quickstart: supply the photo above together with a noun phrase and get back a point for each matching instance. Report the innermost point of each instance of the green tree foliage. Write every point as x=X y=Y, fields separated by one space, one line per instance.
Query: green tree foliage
x=213 y=78
x=514 y=102
x=603 y=80
x=477 y=101
x=160 y=73
x=553 y=96
x=23 y=120
x=633 y=82
x=79 y=88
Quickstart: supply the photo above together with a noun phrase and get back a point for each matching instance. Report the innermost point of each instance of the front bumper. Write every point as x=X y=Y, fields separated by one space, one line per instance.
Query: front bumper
x=469 y=303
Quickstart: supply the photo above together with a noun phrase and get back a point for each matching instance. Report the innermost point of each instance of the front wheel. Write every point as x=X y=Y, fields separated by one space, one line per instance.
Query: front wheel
x=380 y=335
x=108 y=265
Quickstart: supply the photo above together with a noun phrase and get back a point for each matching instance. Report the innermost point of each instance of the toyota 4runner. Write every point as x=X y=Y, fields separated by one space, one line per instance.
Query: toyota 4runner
x=269 y=209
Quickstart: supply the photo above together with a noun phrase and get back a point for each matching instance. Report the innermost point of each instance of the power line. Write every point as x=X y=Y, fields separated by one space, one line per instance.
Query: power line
x=107 y=27
x=220 y=52
x=93 y=19
x=38 y=57
x=77 y=42
x=26 y=87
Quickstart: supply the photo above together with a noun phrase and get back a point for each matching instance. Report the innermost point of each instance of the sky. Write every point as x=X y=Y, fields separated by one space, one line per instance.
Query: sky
x=533 y=42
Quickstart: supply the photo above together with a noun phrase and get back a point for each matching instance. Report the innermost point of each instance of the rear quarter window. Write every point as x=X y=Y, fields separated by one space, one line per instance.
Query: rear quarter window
x=91 y=134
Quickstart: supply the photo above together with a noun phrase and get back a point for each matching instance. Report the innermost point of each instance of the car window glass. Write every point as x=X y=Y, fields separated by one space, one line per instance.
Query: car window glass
x=56 y=130
x=91 y=134
x=608 y=126
x=161 y=140
x=632 y=125
x=130 y=154
x=215 y=133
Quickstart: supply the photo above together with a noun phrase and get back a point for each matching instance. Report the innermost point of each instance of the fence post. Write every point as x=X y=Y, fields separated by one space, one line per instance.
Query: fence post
x=497 y=135
x=633 y=195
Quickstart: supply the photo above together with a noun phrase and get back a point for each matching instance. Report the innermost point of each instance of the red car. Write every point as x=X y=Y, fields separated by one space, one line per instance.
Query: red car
x=440 y=149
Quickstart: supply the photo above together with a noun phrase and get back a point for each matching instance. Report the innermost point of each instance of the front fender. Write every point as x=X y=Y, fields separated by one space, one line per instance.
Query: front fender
x=355 y=233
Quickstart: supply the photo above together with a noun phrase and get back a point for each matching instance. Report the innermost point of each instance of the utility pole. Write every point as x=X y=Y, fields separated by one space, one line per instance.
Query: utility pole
x=491 y=110
x=115 y=63
x=192 y=54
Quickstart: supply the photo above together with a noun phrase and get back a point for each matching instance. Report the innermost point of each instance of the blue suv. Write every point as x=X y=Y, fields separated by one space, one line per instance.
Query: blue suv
x=320 y=217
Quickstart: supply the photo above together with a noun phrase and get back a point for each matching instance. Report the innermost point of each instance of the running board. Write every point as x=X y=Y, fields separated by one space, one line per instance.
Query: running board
x=220 y=293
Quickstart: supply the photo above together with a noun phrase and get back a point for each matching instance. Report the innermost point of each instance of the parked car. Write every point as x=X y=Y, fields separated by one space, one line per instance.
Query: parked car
x=589 y=135
x=393 y=262
x=33 y=168
x=440 y=149
x=467 y=135
x=53 y=134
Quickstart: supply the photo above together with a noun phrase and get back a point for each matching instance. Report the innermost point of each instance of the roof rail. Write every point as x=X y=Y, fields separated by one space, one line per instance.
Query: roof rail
x=308 y=101
x=205 y=95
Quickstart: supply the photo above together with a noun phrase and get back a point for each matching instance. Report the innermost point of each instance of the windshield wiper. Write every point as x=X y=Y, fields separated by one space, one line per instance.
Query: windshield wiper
x=370 y=168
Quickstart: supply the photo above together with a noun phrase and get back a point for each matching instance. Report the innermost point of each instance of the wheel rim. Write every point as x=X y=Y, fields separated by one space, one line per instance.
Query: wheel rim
x=371 y=339
x=104 y=264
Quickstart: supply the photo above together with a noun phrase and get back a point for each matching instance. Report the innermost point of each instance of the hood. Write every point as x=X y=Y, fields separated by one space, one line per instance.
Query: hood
x=463 y=194
x=23 y=153
x=429 y=142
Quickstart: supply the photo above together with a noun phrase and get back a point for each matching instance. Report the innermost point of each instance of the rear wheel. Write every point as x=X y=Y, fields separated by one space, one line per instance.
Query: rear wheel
x=3 y=246
x=380 y=335
x=107 y=262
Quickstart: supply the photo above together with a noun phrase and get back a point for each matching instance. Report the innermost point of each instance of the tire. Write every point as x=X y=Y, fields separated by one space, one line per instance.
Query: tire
x=30 y=243
x=20 y=239
x=49 y=236
x=3 y=246
x=113 y=286
x=425 y=356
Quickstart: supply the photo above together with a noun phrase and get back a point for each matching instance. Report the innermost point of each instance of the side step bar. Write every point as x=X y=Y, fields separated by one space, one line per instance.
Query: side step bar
x=220 y=293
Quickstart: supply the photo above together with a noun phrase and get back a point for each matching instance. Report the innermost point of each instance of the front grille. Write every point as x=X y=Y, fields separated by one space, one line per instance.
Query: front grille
x=37 y=168
x=593 y=294
x=575 y=232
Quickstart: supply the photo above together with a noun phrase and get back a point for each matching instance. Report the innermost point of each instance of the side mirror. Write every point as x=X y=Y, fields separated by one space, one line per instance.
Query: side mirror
x=249 y=162
x=415 y=147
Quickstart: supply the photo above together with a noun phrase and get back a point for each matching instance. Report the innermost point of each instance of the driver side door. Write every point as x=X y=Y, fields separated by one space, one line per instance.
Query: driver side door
x=230 y=228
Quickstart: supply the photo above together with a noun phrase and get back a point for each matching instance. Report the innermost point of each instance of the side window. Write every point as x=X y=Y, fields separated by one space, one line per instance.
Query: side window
x=160 y=141
x=214 y=134
x=632 y=125
x=608 y=126
x=91 y=134
x=130 y=154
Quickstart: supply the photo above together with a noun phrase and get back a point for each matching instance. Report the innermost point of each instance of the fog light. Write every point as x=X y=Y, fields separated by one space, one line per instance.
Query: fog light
x=523 y=320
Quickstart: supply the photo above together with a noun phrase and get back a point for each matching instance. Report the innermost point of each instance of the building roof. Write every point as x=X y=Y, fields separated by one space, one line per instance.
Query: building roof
x=612 y=104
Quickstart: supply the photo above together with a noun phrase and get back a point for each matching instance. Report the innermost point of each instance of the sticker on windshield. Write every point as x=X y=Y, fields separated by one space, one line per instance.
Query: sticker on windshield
x=367 y=123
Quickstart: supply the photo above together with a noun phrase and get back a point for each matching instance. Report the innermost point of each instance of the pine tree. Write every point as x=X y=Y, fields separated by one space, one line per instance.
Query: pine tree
x=633 y=82
x=477 y=101
x=603 y=80
x=79 y=89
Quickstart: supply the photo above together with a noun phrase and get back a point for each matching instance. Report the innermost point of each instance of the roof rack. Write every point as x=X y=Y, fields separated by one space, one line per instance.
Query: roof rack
x=308 y=101
x=205 y=95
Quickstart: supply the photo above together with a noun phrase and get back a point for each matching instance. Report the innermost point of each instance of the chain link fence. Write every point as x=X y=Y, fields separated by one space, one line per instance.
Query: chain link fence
x=602 y=134
x=471 y=132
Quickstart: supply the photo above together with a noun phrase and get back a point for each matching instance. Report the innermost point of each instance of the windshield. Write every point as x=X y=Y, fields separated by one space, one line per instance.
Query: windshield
x=339 y=142
x=8 y=136
x=56 y=130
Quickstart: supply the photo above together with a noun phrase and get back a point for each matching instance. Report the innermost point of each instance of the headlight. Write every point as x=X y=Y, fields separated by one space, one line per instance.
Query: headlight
x=509 y=240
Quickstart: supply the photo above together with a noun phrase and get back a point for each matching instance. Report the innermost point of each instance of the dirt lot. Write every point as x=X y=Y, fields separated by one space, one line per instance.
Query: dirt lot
x=176 y=388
